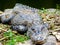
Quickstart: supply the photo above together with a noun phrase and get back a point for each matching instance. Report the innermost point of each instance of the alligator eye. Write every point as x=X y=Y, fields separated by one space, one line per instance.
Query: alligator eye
x=33 y=29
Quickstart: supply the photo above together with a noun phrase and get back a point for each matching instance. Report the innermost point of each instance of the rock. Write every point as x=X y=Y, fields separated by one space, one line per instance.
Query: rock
x=0 y=43
x=58 y=37
x=54 y=33
x=51 y=40
x=38 y=33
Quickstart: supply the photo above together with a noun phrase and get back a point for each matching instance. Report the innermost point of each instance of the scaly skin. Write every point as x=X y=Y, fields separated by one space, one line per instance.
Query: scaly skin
x=37 y=30
x=25 y=16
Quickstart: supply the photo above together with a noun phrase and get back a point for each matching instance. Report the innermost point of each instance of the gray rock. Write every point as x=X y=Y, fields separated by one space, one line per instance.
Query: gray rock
x=51 y=40
x=1 y=43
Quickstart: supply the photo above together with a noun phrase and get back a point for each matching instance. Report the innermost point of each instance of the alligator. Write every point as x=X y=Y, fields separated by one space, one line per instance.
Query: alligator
x=26 y=19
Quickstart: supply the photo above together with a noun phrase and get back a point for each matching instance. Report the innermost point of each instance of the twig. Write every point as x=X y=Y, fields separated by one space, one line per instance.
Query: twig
x=4 y=38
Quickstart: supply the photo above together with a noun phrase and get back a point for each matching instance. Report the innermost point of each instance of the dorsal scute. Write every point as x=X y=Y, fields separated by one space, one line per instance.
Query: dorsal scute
x=23 y=8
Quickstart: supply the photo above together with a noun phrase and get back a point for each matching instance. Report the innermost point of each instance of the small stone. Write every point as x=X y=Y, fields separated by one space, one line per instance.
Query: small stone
x=58 y=37
x=54 y=33
x=0 y=43
x=51 y=40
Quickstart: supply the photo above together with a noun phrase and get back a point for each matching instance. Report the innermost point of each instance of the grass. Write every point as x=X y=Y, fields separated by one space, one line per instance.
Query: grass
x=10 y=38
